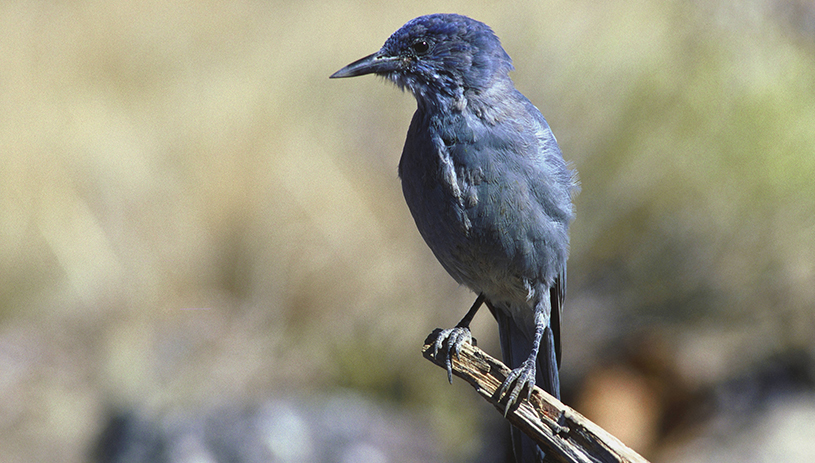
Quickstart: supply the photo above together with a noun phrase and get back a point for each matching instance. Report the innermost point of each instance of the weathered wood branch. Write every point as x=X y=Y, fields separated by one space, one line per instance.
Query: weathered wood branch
x=562 y=432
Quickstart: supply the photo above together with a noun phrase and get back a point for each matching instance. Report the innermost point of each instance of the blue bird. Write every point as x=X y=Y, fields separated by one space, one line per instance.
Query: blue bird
x=489 y=191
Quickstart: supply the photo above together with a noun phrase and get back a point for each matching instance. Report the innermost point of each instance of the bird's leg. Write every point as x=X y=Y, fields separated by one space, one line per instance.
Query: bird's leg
x=453 y=338
x=524 y=376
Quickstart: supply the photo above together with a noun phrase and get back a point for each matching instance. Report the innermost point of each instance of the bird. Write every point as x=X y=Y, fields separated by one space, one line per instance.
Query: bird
x=489 y=190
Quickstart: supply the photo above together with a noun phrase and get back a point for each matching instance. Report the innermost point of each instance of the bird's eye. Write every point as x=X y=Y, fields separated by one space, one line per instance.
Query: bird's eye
x=421 y=47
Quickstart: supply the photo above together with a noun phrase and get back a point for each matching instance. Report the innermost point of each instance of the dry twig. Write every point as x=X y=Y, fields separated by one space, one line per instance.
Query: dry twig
x=561 y=431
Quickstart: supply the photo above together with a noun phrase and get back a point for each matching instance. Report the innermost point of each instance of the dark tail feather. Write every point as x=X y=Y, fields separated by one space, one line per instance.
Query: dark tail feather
x=515 y=349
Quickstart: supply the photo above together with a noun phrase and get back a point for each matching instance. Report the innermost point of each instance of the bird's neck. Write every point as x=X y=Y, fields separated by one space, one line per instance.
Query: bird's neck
x=482 y=102
x=431 y=100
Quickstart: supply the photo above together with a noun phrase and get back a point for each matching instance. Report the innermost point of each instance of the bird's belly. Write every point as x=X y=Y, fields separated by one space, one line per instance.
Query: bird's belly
x=472 y=247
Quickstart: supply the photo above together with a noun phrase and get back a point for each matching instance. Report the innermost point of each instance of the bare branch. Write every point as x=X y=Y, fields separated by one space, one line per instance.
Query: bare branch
x=561 y=431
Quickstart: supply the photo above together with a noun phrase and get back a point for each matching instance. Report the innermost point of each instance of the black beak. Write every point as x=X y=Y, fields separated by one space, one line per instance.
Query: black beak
x=375 y=63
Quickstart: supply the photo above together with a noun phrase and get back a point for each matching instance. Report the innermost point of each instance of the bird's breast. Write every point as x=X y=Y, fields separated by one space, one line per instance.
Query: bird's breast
x=443 y=185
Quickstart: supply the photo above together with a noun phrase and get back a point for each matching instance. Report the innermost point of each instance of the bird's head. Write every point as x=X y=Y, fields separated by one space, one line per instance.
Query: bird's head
x=438 y=55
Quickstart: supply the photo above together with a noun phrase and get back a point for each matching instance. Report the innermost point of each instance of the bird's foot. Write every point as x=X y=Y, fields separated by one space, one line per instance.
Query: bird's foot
x=518 y=379
x=450 y=341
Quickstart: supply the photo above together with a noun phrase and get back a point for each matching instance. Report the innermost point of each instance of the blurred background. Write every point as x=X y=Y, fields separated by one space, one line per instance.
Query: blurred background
x=205 y=254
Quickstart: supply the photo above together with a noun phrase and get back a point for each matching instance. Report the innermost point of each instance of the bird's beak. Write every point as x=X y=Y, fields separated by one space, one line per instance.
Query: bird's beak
x=375 y=63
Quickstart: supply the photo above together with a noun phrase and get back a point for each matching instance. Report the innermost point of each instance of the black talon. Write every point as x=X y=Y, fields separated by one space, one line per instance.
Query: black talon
x=451 y=340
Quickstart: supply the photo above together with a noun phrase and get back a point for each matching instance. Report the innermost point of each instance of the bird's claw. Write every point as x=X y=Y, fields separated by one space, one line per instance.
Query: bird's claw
x=450 y=341
x=518 y=379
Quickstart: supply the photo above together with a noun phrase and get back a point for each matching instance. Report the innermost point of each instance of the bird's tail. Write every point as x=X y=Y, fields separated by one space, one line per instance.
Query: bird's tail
x=516 y=346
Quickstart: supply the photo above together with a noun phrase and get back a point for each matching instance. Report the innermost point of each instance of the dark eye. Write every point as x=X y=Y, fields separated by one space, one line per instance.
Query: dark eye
x=421 y=47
